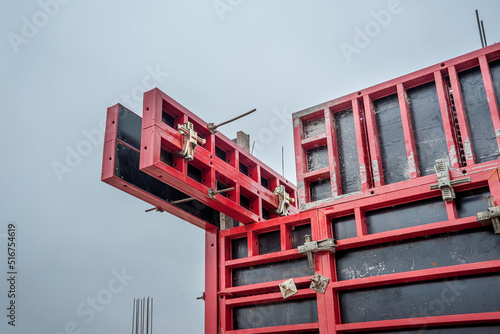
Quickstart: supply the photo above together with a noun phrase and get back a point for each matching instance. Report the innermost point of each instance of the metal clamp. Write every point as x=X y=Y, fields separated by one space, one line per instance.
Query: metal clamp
x=309 y=247
x=444 y=181
x=284 y=200
x=288 y=288
x=490 y=216
x=319 y=283
x=191 y=139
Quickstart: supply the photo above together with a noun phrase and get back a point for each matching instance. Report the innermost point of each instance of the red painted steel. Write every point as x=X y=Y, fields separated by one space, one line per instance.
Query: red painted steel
x=362 y=103
x=108 y=176
x=158 y=135
x=211 y=274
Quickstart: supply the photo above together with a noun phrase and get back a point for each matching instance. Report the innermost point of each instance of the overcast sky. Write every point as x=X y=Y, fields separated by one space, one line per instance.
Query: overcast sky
x=65 y=62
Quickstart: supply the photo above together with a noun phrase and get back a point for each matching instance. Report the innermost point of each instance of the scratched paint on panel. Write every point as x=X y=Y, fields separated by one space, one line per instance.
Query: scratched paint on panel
x=302 y=311
x=272 y=272
x=434 y=298
x=269 y=242
x=239 y=248
x=391 y=139
x=468 y=246
x=495 y=76
x=428 y=128
x=417 y=213
x=317 y=158
x=471 y=202
x=320 y=190
x=347 y=151
x=314 y=128
x=479 y=120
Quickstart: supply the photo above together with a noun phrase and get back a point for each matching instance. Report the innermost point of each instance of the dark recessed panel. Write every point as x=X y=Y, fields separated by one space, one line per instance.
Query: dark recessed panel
x=320 y=190
x=272 y=272
x=314 y=128
x=127 y=168
x=269 y=242
x=317 y=158
x=239 y=248
x=167 y=119
x=495 y=76
x=347 y=151
x=435 y=298
x=428 y=128
x=406 y=215
x=484 y=141
x=468 y=246
x=302 y=311
x=471 y=202
x=220 y=153
x=391 y=139
x=344 y=227
x=298 y=233
x=129 y=128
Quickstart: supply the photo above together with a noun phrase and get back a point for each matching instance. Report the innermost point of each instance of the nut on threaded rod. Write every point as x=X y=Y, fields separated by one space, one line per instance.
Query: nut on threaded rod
x=213 y=128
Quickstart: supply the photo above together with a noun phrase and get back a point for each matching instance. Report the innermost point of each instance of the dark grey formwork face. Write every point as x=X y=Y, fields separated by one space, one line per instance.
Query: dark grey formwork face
x=127 y=158
x=478 y=115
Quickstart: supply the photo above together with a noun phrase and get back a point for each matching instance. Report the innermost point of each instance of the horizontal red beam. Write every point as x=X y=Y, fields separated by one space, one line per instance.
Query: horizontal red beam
x=277 y=329
x=263 y=259
x=269 y=298
x=158 y=136
x=419 y=275
x=265 y=287
x=437 y=321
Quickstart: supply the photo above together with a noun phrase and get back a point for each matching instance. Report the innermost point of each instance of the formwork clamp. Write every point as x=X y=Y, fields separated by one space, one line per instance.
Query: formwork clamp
x=309 y=247
x=490 y=216
x=445 y=184
x=191 y=139
x=284 y=200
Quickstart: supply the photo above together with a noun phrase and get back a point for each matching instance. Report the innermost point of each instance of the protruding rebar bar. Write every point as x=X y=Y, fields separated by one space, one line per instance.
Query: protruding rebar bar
x=213 y=128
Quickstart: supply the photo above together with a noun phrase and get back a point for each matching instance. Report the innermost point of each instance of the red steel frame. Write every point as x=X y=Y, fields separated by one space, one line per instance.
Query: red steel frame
x=371 y=172
x=329 y=317
x=157 y=135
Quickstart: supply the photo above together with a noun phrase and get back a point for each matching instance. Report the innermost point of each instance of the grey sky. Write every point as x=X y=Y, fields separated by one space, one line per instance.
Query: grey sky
x=75 y=233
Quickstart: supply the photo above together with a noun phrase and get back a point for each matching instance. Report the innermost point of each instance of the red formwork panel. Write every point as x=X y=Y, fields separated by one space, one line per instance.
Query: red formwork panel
x=218 y=162
x=330 y=307
x=454 y=89
x=110 y=168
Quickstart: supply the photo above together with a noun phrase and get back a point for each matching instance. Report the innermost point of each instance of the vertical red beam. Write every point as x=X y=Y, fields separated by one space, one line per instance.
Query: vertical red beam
x=363 y=158
x=211 y=281
x=285 y=237
x=328 y=311
x=331 y=140
x=300 y=160
x=253 y=243
x=224 y=280
x=494 y=185
x=359 y=216
x=462 y=118
x=411 y=150
x=490 y=95
x=373 y=142
x=449 y=132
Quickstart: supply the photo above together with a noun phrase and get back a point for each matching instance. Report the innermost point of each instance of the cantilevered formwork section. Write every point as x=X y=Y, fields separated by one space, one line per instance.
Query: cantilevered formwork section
x=218 y=163
x=404 y=262
x=387 y=137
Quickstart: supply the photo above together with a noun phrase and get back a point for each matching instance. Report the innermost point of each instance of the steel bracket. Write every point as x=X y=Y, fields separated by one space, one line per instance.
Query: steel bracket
x=309 y=247
x=319 y=283
x=445 y=184
x=490 y=216
x=288 y=288
x=191 y=139
x=284 y=200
